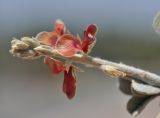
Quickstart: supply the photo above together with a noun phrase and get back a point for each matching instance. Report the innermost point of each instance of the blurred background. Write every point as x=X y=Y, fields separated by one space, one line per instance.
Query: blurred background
x=29 y=90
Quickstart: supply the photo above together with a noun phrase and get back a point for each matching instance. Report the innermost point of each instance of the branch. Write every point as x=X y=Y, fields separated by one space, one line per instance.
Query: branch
x=143 y=82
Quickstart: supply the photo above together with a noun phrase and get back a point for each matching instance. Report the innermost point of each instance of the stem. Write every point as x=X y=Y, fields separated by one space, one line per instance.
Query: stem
x=29 y=48
x=130 y=71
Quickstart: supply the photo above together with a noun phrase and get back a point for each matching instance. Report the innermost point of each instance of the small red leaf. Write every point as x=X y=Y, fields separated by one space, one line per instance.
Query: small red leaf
x=59 y=27
x=69 y=84
x=68 y=45
x=47 y=38
x=89 y=37
x=55 y=66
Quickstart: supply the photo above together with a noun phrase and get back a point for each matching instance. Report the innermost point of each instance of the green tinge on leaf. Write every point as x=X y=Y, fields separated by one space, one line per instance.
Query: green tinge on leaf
x=156 y=23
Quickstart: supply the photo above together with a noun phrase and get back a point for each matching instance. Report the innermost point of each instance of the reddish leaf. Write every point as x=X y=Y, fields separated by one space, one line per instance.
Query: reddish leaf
x=47 y=38
x=55 y=66
x=59 y=27
x=68 y=45
x=69 y=84
x=89 y=37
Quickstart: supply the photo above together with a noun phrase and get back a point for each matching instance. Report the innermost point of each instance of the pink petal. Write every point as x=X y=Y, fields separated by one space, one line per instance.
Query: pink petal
x=69 y=84
x=54 y=65
x=47 y=38
x=68 y=45
x=59 y=27
x=89 y=37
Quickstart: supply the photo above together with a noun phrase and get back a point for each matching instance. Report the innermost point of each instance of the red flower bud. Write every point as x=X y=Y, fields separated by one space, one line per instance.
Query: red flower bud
x=89 y=38
x=69 y=84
